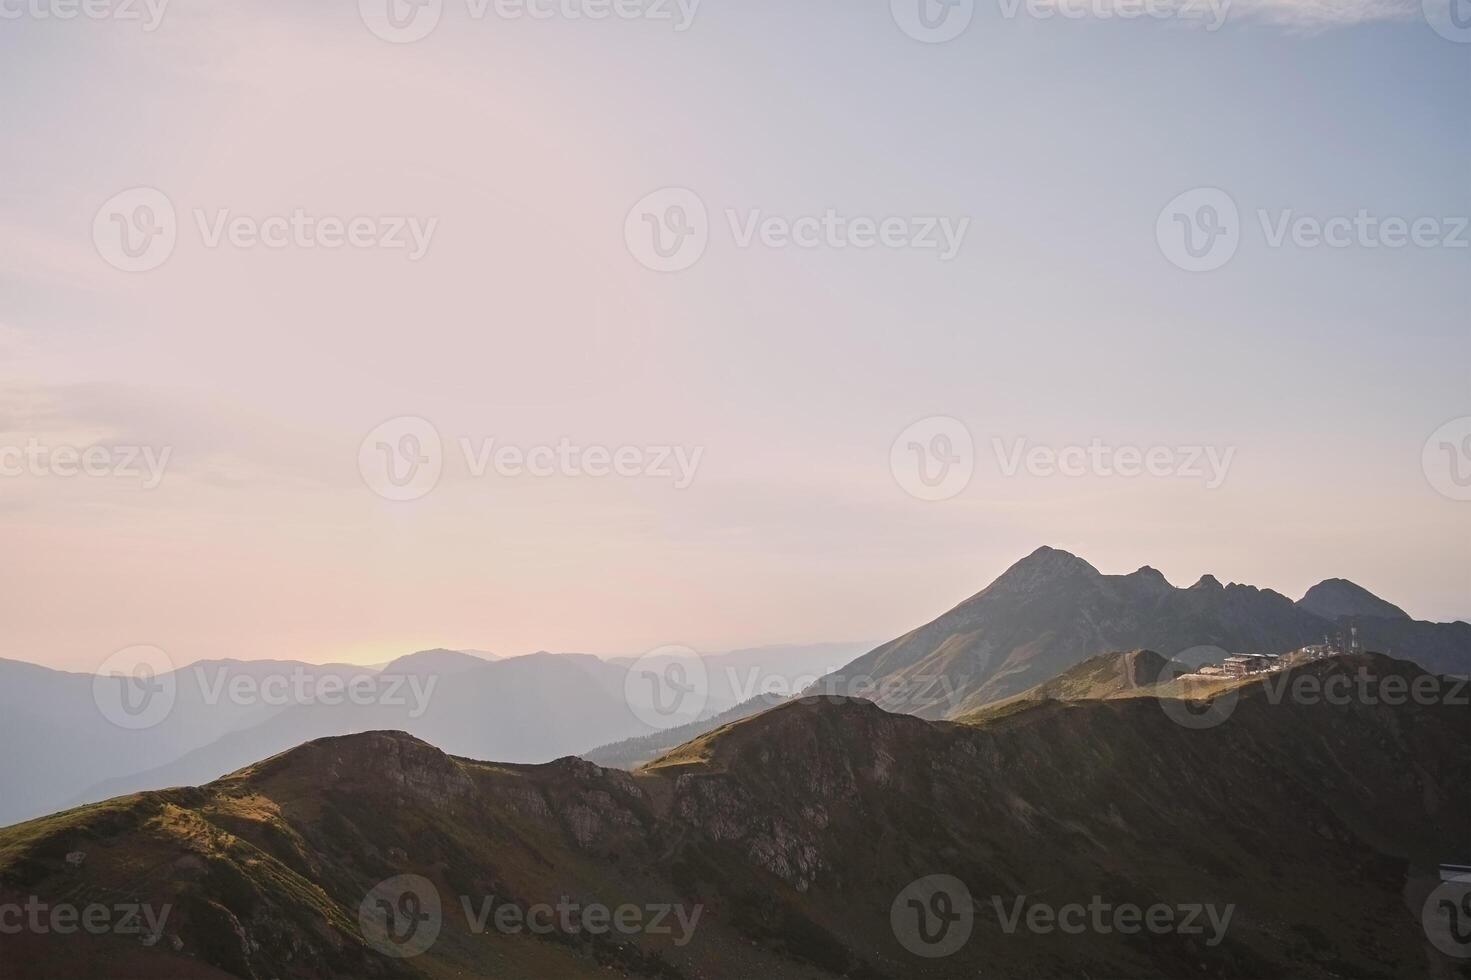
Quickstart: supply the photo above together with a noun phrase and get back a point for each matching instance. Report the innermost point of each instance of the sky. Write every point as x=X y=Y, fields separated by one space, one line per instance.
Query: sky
x=654 y=238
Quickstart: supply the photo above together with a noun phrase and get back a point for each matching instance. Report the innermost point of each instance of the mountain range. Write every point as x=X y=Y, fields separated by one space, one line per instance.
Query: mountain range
x=530 y=708
x=630 y=753
x=1052 y=610
x=823 y=837
x=1047 y=613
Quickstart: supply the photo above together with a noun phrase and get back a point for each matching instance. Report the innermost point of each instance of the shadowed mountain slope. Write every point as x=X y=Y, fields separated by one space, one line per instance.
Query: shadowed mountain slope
x=1336 y=598
x=1052 y=610
x=792 y=832
x=633 y=752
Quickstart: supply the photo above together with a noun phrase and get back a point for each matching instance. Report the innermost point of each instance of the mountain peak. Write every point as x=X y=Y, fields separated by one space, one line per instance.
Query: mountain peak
x=1046 y=563
x=1149 y=580
x=436 y=660
x=378 y=763
x=1335 y=598
x=1208 y=581
x=812 y=728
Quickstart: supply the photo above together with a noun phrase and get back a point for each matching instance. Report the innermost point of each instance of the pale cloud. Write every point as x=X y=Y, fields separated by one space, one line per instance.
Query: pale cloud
x=1298 y=16
x=1323 y=14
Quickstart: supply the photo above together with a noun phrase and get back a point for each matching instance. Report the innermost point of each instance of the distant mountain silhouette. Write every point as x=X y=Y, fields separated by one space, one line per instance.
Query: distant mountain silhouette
x=1337 y=598
x=530 y=708
x=629 y=753
x=1052 y=610
x=70 y=744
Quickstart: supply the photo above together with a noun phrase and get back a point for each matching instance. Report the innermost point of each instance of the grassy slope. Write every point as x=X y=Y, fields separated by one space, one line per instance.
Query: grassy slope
x=795 y=829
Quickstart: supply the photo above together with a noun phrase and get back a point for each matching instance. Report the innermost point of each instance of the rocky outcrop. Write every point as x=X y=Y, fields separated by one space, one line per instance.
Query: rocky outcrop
x=384 y=762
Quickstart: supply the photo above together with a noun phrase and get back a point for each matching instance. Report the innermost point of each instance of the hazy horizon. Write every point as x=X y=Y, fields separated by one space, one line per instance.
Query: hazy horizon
x=315 y=657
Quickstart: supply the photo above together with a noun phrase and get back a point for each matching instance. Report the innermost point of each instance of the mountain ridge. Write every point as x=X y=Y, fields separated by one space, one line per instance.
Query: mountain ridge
x=1052 y=609
x=793 y=830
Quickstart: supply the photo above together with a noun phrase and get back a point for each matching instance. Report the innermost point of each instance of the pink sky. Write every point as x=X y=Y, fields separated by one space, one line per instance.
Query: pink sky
x=792 y=372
